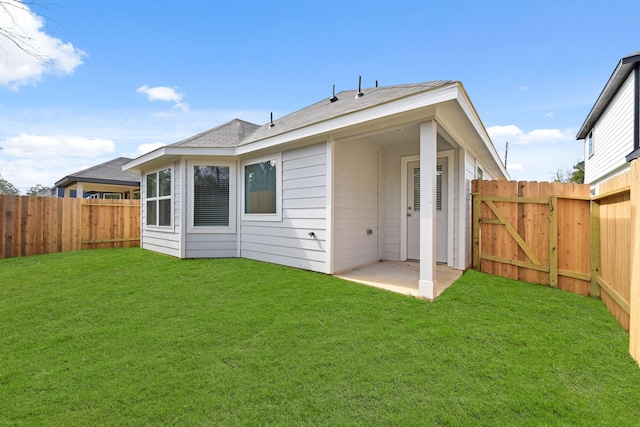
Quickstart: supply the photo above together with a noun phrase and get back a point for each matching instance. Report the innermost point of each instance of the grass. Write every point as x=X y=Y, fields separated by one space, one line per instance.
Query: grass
x=128 y=337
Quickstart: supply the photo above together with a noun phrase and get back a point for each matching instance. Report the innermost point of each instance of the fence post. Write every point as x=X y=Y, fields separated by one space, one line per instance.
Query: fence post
x=634 y=295
x=553 y=242
x=594 y=287
x=475 y=193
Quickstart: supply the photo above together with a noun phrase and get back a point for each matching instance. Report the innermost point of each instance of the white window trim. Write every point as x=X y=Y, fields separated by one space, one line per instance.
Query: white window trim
x=144 y=200
x=263 y=217
x=231 y=228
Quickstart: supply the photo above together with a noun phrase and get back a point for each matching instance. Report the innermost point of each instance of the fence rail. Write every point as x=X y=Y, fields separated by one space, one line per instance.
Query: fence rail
x=557 y=235
x=41 y=225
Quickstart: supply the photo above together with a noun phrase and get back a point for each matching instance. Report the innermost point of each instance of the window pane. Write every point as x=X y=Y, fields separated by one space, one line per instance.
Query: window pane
x=165 y=211
x=260 y=188
x=211 y=196
x=416 y=189
x=152 y=187
x=164 y=177
x=151 y=212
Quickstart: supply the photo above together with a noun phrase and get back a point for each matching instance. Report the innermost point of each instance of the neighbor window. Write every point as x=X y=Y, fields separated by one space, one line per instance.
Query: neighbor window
x=480 y=173
x=158 y=200
x=590 y=142
x=262 y=198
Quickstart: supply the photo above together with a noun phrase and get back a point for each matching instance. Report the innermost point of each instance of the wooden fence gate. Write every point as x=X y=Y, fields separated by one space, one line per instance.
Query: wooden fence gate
x=534 y=232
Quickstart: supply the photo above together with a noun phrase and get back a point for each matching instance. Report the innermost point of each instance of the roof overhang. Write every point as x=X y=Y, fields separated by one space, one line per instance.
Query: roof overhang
x=355 y=121
x=618 y=77
x=163 y=154
x=70 y=180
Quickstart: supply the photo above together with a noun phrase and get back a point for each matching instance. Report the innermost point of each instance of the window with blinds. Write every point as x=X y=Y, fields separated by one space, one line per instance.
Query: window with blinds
x=416 y=189
x=211 y=196
x=439 y=188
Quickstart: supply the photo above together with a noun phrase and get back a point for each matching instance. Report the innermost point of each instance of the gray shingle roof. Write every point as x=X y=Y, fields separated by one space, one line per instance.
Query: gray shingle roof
x=238 y=132
x=230 y=134
x=108 y=173
x=347 y=103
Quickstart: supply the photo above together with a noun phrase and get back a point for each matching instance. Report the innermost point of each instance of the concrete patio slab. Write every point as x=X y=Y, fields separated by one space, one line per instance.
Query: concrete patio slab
x=399 y=277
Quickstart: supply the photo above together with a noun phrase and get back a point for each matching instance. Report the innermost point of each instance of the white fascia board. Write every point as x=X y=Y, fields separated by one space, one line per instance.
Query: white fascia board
x=403 y=105
x=169 y=150
x=474 y=119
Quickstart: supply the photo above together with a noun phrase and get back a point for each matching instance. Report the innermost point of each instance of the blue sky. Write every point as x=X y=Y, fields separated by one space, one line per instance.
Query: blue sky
x=125 y=77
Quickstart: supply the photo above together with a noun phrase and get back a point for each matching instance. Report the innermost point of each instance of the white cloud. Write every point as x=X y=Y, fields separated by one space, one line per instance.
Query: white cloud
x=48 y=54
x=523 y=88
x=164 y=93
x=515 y=135
x=550 y=114
x=27 y=160
x=36 y=146
x=143 y=149
x=515 y=167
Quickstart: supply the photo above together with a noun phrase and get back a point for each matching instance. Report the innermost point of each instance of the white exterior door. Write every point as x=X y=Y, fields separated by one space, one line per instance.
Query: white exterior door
x=413 y=211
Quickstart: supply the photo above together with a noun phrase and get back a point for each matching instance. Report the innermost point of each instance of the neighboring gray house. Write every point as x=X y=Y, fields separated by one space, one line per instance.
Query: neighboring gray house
x=104 y=181
x=378 y=174
x=611 y=130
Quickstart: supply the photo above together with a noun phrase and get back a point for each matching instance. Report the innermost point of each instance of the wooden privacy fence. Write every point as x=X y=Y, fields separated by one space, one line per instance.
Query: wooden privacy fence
x=558 y=235
x=40 y=225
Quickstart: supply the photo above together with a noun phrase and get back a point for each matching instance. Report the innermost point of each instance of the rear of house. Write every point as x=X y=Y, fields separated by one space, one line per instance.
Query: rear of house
x=375 y=174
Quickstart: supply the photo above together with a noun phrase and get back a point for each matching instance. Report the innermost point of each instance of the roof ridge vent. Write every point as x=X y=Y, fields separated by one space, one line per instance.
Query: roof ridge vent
x=359 y=94
x=334 y=98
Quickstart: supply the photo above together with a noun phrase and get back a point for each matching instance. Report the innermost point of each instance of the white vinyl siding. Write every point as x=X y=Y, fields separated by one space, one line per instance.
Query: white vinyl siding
x=288 y=241
x=355 y=222
x=612 y=137
x=165 y=240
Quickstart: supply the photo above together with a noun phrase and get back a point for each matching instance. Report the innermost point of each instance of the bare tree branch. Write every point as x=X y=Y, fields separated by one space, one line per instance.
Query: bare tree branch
x=19 y=38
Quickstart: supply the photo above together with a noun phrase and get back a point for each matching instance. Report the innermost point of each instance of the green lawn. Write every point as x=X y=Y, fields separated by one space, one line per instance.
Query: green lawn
x=129 y=337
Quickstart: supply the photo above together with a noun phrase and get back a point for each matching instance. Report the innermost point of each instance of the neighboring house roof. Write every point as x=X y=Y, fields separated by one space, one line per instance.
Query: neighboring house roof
x=105 y=173
x=238 y=132
x=618 y=77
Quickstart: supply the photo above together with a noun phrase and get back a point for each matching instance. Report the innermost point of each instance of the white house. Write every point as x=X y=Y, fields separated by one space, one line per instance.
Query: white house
x=610 y=131
x=374 y=174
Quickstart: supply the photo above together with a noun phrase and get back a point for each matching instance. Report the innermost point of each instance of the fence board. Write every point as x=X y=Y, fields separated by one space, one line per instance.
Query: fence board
x=40 y=225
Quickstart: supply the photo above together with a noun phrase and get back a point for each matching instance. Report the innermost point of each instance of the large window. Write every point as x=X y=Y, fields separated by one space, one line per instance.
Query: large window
x=158 y=200
x=212 y=189
x=262 y=189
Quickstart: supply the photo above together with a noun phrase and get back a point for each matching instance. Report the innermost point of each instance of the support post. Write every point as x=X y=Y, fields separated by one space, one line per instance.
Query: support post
x=427 y=286
x=475 y=193
x=553 y=242
x=594 y=287
x=634 y=297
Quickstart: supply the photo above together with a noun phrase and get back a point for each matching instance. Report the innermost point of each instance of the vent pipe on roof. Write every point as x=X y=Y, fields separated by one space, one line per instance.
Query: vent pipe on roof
x=359 y=94
x=271 y=124
x=334 y=98
x=376 y=83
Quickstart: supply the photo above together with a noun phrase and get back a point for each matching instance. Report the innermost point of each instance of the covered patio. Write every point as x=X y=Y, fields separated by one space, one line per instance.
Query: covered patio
x=400 y=276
